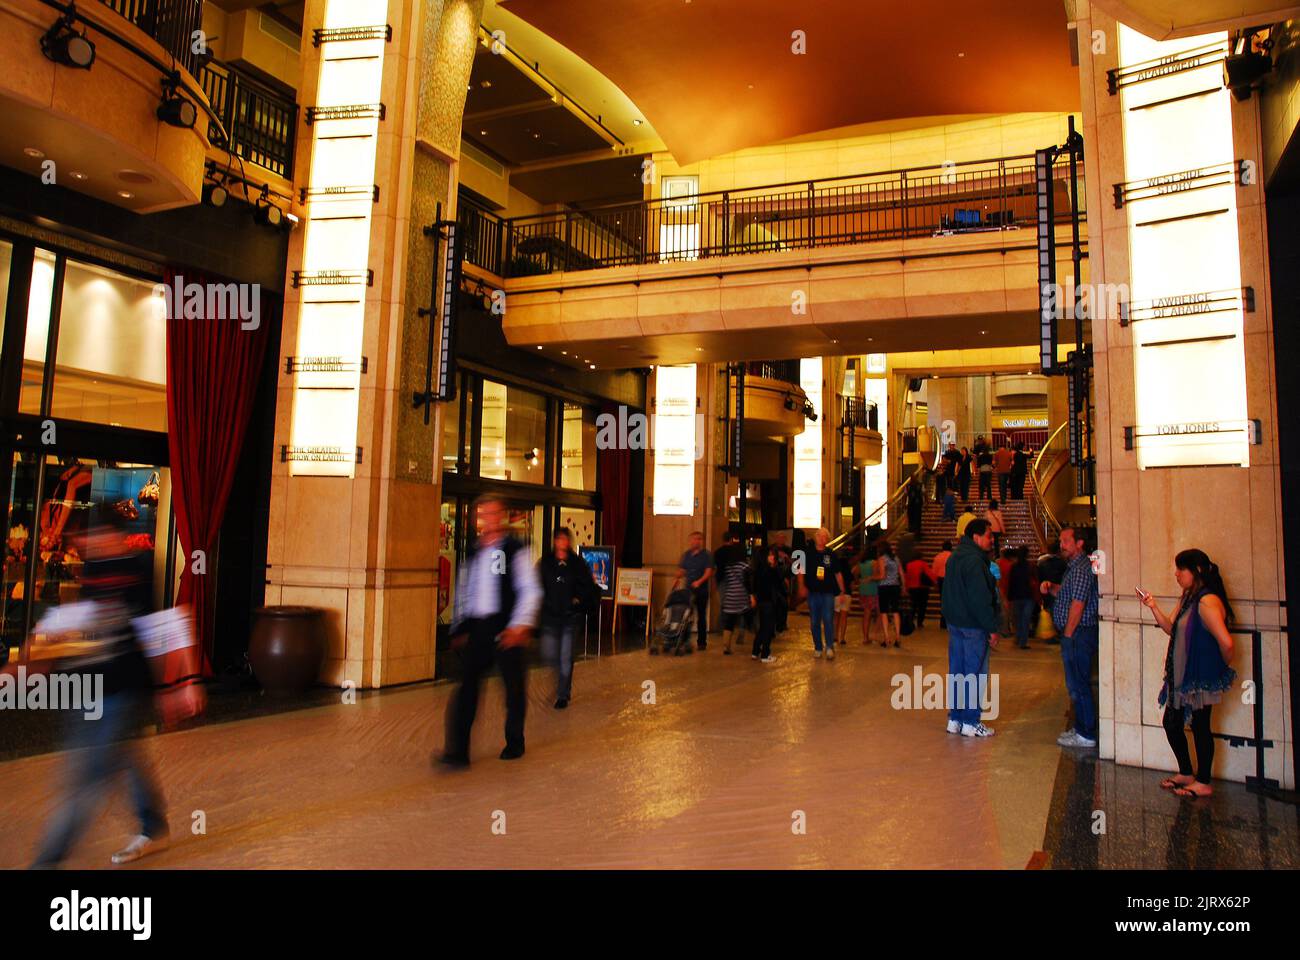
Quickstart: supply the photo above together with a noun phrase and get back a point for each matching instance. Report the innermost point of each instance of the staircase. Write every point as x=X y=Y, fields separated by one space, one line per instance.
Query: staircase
x=1016 y=515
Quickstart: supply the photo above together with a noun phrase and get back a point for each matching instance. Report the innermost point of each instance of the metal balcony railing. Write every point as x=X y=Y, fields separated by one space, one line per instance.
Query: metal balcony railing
x=787 y=371
x=171 y=22
x=860 y=414
x=981 y=196
x=259 y=120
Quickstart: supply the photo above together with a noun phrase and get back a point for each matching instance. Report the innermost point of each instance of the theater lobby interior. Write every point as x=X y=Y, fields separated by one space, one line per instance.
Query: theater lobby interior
x=639 y=277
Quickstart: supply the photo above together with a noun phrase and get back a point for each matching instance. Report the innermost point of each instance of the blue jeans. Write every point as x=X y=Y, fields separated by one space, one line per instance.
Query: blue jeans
x=1023 y=611
x=821 y=611
x=100 y=750
x=557 y=651
x=1078 y=653
x=968 y=657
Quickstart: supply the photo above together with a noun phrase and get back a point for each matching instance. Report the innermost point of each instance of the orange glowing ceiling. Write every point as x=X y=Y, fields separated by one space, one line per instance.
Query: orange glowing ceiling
x=714 y=76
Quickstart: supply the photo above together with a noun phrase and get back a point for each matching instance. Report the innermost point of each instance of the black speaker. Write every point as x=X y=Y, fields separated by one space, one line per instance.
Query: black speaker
x=1242 y=71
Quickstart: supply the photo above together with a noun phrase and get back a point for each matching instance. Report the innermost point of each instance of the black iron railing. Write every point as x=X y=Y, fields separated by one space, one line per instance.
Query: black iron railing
x=787 y=371
x=984 y=196
x=259 y=120
x=860 y=414
x=172 y=23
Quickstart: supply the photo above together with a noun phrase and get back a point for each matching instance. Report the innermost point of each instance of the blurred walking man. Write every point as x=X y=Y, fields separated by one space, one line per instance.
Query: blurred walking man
x=498 y=598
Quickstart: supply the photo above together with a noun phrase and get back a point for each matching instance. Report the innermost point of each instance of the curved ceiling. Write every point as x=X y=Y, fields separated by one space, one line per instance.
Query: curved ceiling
x=1162 y=19
x=715 y=76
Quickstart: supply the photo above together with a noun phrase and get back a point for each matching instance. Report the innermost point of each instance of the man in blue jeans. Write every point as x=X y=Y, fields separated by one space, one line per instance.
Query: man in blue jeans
x=822 y=580
x=1075 y=614
x=971 y=608
x=568 y=592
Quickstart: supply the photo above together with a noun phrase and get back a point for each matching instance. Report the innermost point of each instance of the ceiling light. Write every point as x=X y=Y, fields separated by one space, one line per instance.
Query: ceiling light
x=637 y=123
x=77 y=175
x=482 y=133
x=539 y=346
x=125 y=194
x=34 y=153
x=592 y=365
x=65 y=44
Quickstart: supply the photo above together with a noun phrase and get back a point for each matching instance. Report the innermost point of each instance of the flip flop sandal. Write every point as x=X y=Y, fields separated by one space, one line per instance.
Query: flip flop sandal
x=1184 y=792
x=1171 y=784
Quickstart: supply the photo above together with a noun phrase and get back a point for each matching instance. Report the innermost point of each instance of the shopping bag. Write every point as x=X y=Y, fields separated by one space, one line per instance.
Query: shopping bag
x=168 y=640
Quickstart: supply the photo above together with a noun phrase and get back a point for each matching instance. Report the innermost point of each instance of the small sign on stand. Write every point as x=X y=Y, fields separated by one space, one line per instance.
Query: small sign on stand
x=632 y=590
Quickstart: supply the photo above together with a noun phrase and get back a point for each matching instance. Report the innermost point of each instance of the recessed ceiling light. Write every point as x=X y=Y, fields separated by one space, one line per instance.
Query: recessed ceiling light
x=125 y=194
x=637 y=123
x=485 y=84
x=77 y=175
x=34 y=153
x=482 y=133
x=539 y=346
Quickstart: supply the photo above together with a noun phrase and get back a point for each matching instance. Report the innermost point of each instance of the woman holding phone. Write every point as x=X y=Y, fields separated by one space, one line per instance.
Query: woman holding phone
x=1196 y=666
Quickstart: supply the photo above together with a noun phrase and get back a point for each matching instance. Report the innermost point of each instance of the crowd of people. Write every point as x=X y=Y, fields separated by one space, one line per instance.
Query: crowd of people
x=503 y=600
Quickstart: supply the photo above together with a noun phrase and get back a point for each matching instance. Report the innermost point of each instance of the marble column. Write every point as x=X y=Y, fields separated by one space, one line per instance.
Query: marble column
x=360 y=539
x=1145 y=516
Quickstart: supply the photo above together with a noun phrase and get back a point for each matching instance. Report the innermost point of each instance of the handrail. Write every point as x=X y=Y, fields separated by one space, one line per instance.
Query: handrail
x=1050 y=522
x=870 y=518
x=984 y=196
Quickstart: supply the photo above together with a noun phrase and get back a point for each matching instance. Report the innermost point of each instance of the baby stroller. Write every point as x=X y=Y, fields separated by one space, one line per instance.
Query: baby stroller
x=674 y=631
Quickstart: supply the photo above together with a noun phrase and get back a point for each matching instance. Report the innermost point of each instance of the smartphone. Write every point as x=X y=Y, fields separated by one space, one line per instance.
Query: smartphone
x=1142 y=594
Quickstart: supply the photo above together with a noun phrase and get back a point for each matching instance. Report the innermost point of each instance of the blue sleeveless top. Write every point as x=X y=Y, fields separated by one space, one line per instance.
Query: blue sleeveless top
x=1204 y=670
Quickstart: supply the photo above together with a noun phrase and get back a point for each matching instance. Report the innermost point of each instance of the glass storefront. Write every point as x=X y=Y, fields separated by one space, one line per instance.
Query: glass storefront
x=85 y=431
x=535 y=450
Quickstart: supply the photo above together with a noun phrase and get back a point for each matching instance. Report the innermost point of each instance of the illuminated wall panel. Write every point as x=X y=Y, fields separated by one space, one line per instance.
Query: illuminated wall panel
x=876 y=476
x=333 y=282
x=1188 y=348
x=808 y=451
x=674 y=440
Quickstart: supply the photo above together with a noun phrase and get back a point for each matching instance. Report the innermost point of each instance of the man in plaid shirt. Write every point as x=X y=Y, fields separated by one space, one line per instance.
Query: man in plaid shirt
x=1075 y=616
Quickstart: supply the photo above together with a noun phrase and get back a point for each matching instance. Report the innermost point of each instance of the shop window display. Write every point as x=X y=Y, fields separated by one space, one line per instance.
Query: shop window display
x=46 y=550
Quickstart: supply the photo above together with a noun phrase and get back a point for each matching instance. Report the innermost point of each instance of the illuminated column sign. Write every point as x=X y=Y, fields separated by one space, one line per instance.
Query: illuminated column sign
x=808 y=451
x=334 y=280
x=1190 y=368
x=876 y=480
x=674 y=441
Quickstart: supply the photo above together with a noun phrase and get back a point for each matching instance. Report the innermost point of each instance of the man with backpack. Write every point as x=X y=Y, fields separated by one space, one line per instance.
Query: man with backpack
x=568 y=594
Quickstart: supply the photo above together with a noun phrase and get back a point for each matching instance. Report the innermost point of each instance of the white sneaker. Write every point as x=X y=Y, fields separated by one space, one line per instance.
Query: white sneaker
x=753 y=656
x=830 y=653
x=139 y=846
x=976 y=730
x=817 y=654
x=1068 y=739
x=954 y=726
x=1086 y=742
x=769 y=659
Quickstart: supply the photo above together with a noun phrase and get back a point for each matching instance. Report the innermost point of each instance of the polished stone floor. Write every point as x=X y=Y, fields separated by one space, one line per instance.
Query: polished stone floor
x=801 y=763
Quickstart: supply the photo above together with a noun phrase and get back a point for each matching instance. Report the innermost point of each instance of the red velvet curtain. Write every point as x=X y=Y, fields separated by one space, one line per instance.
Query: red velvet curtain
x=615 y=467
x=212 y=372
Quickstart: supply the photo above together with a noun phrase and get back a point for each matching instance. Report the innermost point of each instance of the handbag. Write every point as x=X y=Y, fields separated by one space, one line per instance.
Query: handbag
x=149 y=492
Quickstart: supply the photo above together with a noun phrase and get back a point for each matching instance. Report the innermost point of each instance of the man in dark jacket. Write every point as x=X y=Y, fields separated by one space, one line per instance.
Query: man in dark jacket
x=496 y=608
x=568 y=593
x=971 y=609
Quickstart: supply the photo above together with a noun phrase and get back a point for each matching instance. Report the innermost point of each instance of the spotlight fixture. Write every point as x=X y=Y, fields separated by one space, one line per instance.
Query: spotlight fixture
x=65 y=44
x=215 y=194
x=268 y=215
x=177 y=110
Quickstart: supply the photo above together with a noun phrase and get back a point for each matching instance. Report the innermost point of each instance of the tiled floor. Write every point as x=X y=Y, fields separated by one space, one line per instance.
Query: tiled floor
x=730 y=759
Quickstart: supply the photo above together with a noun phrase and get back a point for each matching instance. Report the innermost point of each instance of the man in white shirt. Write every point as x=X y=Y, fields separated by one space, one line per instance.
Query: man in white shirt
x=498 y=598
